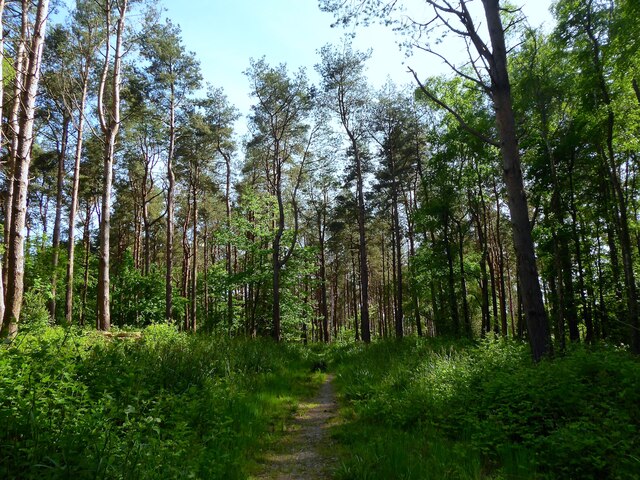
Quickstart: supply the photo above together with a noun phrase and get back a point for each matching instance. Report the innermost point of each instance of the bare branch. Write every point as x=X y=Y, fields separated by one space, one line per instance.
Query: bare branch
x=456 y=115
x=456 y=69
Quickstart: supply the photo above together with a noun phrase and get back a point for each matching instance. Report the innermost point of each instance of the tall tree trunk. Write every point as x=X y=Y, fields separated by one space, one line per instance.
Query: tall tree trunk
x=171 y=178
x=62 y=154
x=2 y=143
x=453 y=302
x=399 y=313
x=535 y=314
x=194 y=255
x=466 y=317
x=480 y=217
x=86 y=243
x=110 y=125
x=228 y=246
x=362 y=250
x=503 y=300
x=412 y=280
x=186 y=259
x=324 y=311
x=276 y=262
x=15 y=247
x=205 y=270
x=20 y=67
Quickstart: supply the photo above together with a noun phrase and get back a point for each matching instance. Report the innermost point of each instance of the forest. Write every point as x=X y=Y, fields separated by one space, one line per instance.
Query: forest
x=457 y=257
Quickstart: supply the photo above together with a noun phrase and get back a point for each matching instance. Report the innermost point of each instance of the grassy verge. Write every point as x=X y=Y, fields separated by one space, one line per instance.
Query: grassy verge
x=422 y=409
x=168 y=405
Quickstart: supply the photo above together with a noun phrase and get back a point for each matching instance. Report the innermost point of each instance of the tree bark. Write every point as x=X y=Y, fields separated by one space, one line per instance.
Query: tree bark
x=73 y=207
x=20 y=66
x=171 y=178
x=110 y=125
x=194 y=255
x=324 y=312
x=2 y=2
x=535 y=314
x=399 y=313
x=62 y=154
x=15 y=247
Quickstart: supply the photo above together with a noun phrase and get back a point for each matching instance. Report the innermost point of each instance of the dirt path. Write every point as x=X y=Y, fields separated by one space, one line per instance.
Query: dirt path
x=305 y=452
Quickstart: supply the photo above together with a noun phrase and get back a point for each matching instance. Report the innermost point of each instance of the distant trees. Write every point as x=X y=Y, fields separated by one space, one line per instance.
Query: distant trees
x=175 y=74
x=283 y=140
x=345 y=89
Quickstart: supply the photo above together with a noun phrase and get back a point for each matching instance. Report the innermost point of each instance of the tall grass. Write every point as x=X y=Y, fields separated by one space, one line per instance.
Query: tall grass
x=169 y=405
x=422 y=409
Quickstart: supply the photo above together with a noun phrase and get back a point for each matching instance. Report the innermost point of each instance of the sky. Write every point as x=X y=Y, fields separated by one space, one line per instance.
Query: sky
x=225 y=34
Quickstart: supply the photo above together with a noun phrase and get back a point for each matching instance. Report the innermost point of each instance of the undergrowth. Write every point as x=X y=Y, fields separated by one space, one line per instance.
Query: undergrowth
x=434 y=409
x=166 y=405
x=169 y=405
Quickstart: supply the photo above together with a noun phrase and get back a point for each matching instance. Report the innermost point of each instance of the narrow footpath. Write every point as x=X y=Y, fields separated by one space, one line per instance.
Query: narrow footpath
x=306 y=451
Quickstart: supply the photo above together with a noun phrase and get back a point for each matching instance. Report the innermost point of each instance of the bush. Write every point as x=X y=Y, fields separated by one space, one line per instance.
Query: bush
x=485 y=410
x=164 y=405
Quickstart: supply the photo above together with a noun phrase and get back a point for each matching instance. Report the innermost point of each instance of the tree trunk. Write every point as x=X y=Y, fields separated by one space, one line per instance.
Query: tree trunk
x=20 y=66
x=15 y=247
x=228 y=246
x=58 y=218
x=535 y=314
x=2 y=143
x=453 y=301
x=362 y=249
x=110 y=125
x=399 y=313
x=171 y=178
x=277 y=265
x=466 y=318
x=194 y=255
x=502 y=295
x=324 y=311
x=86 y=242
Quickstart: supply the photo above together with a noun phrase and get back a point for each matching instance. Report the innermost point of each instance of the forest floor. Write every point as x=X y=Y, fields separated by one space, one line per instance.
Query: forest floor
x=305 y=451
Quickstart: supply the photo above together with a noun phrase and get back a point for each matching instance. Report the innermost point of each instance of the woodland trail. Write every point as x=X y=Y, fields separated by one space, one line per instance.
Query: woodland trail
x=305 y=452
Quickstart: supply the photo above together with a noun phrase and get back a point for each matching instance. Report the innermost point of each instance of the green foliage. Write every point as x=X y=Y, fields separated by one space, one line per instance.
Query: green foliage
x=138 y=299
x=163 y=405
x=35 y=314
x=485 y=411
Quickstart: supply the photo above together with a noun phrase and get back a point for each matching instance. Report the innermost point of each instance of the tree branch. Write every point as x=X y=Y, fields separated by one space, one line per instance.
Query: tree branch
x=476 y=133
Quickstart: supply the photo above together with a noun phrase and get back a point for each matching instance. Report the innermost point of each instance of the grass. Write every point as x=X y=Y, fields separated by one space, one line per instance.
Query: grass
x=441 y=409
x=169 y=405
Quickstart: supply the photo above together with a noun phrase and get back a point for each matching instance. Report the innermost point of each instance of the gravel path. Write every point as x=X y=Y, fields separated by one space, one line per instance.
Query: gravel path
x=305 y=452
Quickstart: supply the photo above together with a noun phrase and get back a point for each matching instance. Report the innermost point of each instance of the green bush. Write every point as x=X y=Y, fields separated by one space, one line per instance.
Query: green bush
x=486 y=411
x=164 y=405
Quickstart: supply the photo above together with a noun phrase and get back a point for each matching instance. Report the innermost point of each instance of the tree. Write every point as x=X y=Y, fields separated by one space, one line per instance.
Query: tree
x=488 y=63
x=221 y=116
x=86 y=39
x=175 y=74
x=15 y=250
x=2 y=79
x=585 y=28
x=391 y=126
x=345 y=92
x=109 y=116
x=319 y=196
x=278 y=122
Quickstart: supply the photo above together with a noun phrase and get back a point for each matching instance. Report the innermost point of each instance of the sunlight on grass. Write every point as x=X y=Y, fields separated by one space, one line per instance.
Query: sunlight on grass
x=455 y=410
x=167 y=405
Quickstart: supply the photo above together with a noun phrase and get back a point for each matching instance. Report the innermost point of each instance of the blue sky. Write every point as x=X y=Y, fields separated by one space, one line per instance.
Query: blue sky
x=225 y=34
